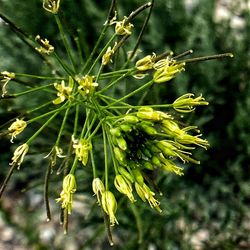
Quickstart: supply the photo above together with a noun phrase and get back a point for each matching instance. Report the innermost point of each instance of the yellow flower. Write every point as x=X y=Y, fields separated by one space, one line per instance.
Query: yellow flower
x=45 y=47
x=64 y=92
x=124 y=186
x=19 y=154
x=146 y=63
x=170 y=166
x=82 y=148
x=51 y=5
x=181 y=135
x=145 y=193
x=174 y=149
x=16 y=128
x=123 y=27
x=5 y=77
x=109 y=206
x=186 y=103
x=166 y=69
x=98 y=188
x=148 y=113
x=106 y=58
x=66 y=196
x=86 y=85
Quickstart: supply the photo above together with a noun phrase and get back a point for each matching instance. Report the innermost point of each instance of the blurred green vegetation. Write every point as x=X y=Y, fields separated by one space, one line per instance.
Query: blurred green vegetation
x=212 y=198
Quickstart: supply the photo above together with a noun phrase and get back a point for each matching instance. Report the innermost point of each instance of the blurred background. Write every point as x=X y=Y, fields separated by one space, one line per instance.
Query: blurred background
x=207 y=208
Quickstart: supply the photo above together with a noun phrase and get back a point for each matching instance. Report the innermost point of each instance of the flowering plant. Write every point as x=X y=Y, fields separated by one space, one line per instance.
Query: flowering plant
x=137 y=139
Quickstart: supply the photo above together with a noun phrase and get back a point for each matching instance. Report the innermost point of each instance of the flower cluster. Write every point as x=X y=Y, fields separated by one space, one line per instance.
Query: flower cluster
x=135 y=139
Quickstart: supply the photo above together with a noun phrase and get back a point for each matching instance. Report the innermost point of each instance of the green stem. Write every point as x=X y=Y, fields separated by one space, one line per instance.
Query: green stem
x=48 y=113
x=64 y=66
x=33 y=90
x=74 y=165
x=105 y=157
x=42 y=127
x=95 y=48
x=93 y=164
x=138 y=222
x=132 y=93
x=40 y=107
x=65 y=42
x=95 y=130
x=116 y=81
x=62 y=126
x=40 y=77
x=101 y=53
x=205 y=58
x=76 y=119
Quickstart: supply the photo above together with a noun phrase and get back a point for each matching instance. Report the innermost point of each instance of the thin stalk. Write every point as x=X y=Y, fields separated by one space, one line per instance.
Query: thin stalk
x=105 y=157
x=95 y=48
x=7 y=178
x=62 y=126
x=76 y=119
x=43 y=126
x=46 y=114
x=131 y=71
x=64 y=66
x=65 y=42
x=93 y=164
x=205 y=58
x=132 y=93
x=95 y=130
x=138 y=41
x=32 y=90
x=40 y=77
x=101 y=53
x=46 y=191
x=138 y=222
x=185 y=53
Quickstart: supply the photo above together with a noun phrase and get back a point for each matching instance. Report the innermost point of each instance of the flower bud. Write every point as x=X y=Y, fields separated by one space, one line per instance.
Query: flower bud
x=138 y=176
x=66 y=196
x=150 y=130
x=109 y=206
x=148 y=113
x=115 y=131
x=126 y=174
x=145 y=193
x=130 y=119
x=126 y=128
x=123 y=27
x=16 y=128
x=51 y=5
x=120 y=155
x=98 y=188
x=124 y=186
x=122 y=144
x=19 y=154
x=146 y=63
x=186 y=103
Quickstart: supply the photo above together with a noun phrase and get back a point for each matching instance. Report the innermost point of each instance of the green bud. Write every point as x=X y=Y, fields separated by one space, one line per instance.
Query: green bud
x=138 y=176
x=149 y=129
x=156 y=161
x=148 y=113
x=115 y=132
x=124 y=186
x=126 y=174
x=146 y=152
x=131 y=119
x=120 y=155
x=122 y=144
x=148 y=165
x=154 y=149
x=126 y=128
